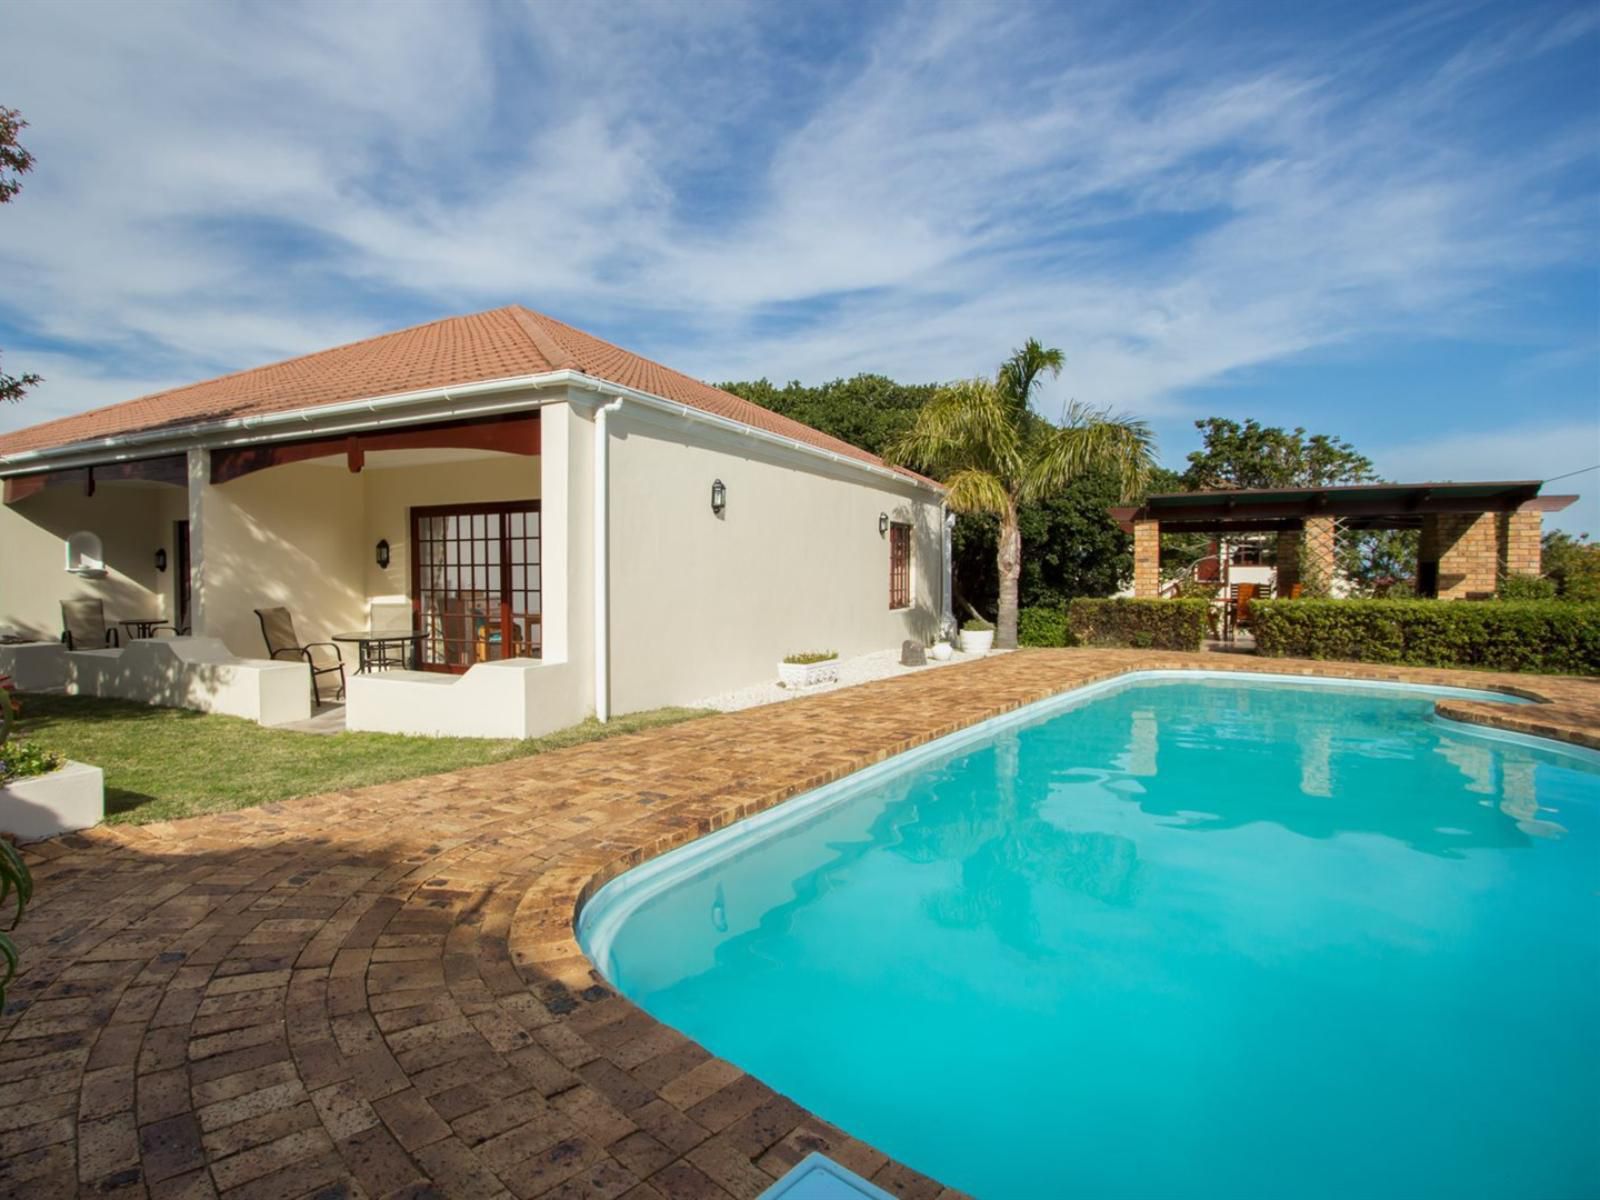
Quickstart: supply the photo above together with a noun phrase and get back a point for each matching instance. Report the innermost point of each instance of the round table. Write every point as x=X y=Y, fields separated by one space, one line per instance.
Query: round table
x=372 y=648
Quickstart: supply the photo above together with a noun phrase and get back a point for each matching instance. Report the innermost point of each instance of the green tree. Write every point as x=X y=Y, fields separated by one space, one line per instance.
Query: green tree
x=1573 y=564
x=15 y=162
x=869 y=411
x=1255 y=456
x=994 y=455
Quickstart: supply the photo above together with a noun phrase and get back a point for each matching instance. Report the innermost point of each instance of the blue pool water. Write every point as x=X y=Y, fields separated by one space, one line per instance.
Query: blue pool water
x=1198 y=938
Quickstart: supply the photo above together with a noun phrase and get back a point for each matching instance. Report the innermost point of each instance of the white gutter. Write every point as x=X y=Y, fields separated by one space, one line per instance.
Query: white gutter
x=297 y=422
x=602 y=560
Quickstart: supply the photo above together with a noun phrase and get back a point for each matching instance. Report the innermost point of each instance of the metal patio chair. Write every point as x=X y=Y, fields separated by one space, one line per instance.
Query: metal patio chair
x=83 y=626
x=277 y=630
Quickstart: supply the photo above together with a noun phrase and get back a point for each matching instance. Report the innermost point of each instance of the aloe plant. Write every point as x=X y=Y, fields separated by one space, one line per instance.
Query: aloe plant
x=16 y=881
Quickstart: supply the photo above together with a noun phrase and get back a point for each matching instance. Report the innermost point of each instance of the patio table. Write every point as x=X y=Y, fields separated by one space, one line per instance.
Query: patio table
x=144 y=627
x=372 y=648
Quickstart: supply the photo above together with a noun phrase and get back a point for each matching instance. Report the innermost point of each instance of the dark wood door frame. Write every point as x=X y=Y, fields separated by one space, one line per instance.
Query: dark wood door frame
x=501 y=509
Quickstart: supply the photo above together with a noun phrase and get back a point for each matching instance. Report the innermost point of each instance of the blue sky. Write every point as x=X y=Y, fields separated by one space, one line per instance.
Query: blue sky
x=1376 y=221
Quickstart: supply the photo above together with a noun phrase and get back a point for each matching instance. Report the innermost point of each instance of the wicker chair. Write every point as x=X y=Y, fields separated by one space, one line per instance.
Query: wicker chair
x=83 y=625
x=277 y=630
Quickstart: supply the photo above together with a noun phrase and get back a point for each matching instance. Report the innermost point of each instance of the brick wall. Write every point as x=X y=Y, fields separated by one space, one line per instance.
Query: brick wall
x=1520 y=550
x=1147 y=558
x=1321 y=545
x=1467 y=549
x=1288 y=559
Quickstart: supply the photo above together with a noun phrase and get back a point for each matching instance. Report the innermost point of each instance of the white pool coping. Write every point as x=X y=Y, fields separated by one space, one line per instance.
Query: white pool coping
x=609 y=908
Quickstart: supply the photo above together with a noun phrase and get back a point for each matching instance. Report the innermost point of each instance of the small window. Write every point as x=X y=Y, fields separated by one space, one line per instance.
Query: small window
x=899 y=566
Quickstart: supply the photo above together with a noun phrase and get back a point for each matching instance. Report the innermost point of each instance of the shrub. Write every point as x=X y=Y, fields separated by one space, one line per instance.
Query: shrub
x=811 y=656
x=1525 y=587
x=977 y=625
x=22 y=760
x=1042 y=626
x=1511 y=635
x=1144 y=624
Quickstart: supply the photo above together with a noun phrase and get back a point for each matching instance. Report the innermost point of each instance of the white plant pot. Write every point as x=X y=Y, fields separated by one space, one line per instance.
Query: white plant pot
x=41 y=806
x=940 y=652
x=976 y=641
x=804 y=675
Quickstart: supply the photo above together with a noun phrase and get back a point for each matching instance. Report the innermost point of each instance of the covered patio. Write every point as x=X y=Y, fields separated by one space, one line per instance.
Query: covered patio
x=1471 y=535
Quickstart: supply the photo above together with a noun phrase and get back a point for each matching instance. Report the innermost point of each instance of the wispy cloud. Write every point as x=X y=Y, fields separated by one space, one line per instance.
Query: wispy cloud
x=740 y=190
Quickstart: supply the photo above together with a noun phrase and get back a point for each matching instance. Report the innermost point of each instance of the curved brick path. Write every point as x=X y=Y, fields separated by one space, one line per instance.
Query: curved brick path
x=377 y=993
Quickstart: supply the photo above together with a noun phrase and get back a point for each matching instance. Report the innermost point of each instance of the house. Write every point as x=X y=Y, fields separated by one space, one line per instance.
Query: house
x=571 y=528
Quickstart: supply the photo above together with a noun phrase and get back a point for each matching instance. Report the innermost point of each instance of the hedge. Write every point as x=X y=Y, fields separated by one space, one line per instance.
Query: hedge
x=1144 y=624
x=1043 y=627
x=1552 y=636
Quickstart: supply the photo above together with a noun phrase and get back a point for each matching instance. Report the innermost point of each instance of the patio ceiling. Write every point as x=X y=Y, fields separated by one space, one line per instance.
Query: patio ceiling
x=1361 y=506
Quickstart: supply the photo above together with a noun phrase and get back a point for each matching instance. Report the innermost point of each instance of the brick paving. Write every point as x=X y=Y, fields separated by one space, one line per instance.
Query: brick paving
x=377 y=993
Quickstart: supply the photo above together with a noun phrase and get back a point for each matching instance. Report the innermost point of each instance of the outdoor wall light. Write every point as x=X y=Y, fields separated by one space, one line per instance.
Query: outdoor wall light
x=719 y=496
x=883 y=524
x=161 y=559
x=383 y=553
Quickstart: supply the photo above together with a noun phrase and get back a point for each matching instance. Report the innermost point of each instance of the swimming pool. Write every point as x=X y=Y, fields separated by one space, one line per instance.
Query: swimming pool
x=1208 y=937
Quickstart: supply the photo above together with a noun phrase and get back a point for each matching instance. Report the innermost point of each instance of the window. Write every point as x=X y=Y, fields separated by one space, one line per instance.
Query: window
x=899 y=566
x=475 y=583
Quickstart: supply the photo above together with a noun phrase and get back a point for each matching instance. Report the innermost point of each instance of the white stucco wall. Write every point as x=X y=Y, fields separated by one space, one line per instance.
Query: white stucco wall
x=702 y=604
x=131 y=521
x=292 y=535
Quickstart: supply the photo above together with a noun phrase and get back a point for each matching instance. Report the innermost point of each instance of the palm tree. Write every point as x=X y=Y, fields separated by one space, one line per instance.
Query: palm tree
x=994 y=454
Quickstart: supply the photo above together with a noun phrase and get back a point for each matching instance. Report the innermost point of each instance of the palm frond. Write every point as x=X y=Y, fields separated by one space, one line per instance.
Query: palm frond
x=966 y=426
x=973 y=491
x=1089 y=440
x=1019 y=373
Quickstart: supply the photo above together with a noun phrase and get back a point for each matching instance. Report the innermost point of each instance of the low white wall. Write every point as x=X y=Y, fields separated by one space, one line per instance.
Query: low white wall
x=198 y=673
x=72 y=798
x=517 y=698
x=35 y=666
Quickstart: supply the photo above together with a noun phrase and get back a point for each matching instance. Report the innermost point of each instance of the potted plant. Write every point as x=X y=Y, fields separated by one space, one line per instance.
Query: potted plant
x=41 y=793
x=813 y=667
x=977 y=636
x=941 y=651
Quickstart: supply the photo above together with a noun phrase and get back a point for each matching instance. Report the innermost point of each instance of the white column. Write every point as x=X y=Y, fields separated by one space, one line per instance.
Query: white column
x=199 y=487
x=948 y=623
x=602 y=560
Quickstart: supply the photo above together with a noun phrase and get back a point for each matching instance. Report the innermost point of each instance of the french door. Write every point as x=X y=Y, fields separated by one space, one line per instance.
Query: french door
x=475 y=583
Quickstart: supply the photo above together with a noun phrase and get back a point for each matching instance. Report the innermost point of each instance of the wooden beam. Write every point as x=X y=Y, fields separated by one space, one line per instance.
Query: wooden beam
x=514 y=433
x=172 y=469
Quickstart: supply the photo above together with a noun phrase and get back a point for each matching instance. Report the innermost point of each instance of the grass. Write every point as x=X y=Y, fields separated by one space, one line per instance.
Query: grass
x=164 y=763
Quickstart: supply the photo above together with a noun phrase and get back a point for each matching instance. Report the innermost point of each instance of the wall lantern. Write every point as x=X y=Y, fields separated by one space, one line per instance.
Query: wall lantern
x=719 y=496
x=161 y=559
x=383 y=553
x=883 y=524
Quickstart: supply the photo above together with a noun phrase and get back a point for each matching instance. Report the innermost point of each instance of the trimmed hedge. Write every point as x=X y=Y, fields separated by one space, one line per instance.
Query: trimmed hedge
x=1551 y=636
x=1142 y=624
x=1043 y=626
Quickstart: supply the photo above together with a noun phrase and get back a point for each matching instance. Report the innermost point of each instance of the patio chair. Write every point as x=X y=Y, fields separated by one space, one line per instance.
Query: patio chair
x=277 y=630
x=83 y=625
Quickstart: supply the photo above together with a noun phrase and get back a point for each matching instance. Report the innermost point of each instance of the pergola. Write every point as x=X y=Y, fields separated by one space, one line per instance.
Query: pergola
x=1472 y=534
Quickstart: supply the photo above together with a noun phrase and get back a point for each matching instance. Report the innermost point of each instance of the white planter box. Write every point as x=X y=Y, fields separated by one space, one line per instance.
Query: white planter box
x=976 y=641
x=44 y=805
x=804 y=675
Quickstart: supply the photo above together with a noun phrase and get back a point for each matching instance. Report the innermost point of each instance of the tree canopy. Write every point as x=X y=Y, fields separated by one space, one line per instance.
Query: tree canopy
x=15 y=162
x=1252 y=455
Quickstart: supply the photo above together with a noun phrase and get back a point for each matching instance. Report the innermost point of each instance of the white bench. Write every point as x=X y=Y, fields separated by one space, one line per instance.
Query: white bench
x=517 y=698
x=199 y=673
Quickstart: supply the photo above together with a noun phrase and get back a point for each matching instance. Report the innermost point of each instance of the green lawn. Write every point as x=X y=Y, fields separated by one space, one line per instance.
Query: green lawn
x=162 y=763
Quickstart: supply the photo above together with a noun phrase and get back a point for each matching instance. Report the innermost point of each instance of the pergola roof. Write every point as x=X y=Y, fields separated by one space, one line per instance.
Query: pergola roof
x=1360 y=506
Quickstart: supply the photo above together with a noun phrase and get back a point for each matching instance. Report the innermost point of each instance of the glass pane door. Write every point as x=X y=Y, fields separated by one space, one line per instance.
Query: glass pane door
x=475 y=583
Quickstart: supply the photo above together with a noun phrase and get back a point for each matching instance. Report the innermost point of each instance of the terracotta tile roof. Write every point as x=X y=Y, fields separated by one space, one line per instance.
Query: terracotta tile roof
x=499 y=344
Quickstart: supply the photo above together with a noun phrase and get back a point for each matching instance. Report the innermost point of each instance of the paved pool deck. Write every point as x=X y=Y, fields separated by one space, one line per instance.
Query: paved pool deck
x=377 y=993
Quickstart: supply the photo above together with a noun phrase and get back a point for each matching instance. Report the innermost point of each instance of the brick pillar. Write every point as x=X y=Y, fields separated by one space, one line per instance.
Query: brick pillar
x=1467 y=549
x=1288 y=559
x=1319 y=557
x=1520 y=549
x=1147 y=558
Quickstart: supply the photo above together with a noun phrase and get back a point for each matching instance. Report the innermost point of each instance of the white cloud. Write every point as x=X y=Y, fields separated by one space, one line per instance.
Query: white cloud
x=221 y=185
